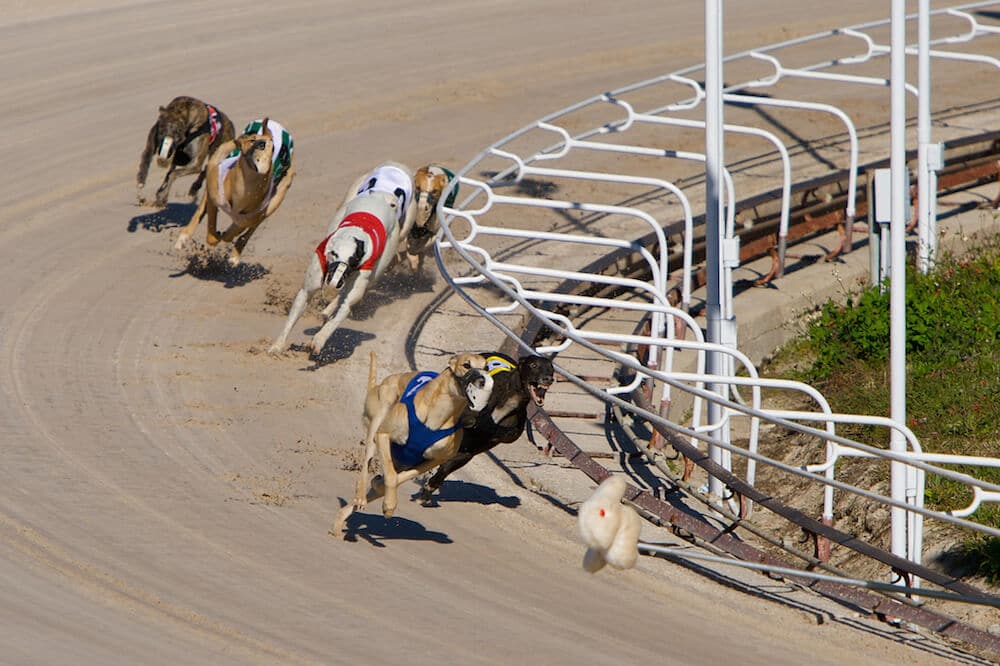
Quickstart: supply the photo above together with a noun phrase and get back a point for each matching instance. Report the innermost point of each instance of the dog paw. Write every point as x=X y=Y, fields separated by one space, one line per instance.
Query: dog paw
x=338 y=523
x=181 y=242
x=234 y=260
x=277 y=350
x=211 y=239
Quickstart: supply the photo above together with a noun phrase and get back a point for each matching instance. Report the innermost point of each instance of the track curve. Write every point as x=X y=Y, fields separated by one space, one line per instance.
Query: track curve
x=166 y=487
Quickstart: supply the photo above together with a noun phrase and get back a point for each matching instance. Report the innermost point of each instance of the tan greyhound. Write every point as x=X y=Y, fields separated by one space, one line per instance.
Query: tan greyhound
x=429 y=184
x=247 y=179
x=412 y=421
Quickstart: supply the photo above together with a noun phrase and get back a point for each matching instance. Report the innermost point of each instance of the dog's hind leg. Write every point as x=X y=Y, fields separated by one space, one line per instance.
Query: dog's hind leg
x=441 y=474
x=311 y=284
x=196 y=185
x=199 y=150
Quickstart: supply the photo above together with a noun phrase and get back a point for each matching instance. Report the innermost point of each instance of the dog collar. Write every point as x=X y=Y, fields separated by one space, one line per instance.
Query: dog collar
x=214 y=122
x=450 y=200
x=497 y=364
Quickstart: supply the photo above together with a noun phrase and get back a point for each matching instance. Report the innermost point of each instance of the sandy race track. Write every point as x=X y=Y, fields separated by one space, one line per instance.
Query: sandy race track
x=166 y=486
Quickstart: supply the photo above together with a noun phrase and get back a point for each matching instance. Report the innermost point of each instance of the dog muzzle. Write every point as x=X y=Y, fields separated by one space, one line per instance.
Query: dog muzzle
x=166 y=150
x=478 y=388
x=335 y=278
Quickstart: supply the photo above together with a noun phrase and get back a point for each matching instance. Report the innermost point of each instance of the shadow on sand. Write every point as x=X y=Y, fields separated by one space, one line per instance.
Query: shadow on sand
x=214 y=266
x=375 y=529
x=465 y=491
x=341 y=345
x=174 y=215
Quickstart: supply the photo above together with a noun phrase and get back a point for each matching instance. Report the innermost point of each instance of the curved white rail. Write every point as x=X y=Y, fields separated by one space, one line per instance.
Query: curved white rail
x=674 y=363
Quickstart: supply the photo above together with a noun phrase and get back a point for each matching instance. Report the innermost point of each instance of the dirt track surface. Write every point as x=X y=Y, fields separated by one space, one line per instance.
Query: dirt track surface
x=166 y=487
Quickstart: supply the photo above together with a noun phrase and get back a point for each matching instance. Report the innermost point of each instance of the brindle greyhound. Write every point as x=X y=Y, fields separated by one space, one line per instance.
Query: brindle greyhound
x=248 y=179
x=185 y=133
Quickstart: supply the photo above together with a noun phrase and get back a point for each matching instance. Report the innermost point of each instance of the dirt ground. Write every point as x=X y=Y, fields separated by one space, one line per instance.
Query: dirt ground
x=167 y=486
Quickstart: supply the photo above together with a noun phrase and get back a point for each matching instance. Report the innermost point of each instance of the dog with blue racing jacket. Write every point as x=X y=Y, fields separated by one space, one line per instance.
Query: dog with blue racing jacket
x=413 y=422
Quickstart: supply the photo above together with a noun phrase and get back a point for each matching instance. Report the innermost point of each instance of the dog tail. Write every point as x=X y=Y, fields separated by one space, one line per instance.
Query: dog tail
x=372 y=378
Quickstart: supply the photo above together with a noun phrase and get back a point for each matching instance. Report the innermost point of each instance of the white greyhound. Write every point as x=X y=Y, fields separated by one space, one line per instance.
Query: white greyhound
x=359 y=247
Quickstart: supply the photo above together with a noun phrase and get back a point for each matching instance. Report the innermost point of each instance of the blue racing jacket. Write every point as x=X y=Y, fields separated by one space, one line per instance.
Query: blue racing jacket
x=411 y=453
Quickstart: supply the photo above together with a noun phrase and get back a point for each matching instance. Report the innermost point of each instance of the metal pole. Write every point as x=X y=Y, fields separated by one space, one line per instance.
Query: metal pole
x=897 y=284
x=923 y=136
x=713 y=213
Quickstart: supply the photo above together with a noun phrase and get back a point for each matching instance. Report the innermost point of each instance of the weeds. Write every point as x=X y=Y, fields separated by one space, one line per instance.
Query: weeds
x=953 y=371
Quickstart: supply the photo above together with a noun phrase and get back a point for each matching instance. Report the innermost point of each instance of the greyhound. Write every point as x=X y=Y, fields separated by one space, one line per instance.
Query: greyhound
x=429 y=185
x=515 y=384
x=247 y=179
x=359 y=247
x=185 y=133
x=413 y=422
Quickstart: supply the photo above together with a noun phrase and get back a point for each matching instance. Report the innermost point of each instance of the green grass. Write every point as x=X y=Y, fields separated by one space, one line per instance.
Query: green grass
x=953 y=371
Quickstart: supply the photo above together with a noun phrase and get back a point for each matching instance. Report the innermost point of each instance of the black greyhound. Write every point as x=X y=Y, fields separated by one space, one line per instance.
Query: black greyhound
x=515 y=383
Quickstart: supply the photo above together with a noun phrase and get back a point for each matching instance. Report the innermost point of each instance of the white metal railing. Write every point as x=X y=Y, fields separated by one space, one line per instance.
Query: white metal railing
x=677 y=364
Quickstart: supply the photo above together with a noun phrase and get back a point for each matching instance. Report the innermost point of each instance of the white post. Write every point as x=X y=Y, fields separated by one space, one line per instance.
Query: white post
x=714 y=158
x=924 y=196
x=897 y=267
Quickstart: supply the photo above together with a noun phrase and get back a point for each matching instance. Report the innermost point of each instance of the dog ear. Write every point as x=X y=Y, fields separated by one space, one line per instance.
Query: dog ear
x=265 y=128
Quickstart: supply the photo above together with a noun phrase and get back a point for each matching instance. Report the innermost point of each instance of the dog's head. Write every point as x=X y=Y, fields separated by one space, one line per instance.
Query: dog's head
x=345 y=252
x=171 y=130
x=428 y=184
x=537 y=375
x=470 y=371
x=257 y=149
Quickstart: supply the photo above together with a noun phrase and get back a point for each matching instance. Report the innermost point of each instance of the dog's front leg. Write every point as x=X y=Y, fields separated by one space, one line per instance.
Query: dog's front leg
x=390 y=478
x=164 y=190
x=241 y=242
x=310 y=285
x=212 y=233
x=361 y=491
x=188 y=231
x=144 y=160
x=347 y=302
x=416 y=262
x=279 y=192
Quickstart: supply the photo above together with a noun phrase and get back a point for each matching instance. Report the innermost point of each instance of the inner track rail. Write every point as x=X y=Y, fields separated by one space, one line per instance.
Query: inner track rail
x=820 y=203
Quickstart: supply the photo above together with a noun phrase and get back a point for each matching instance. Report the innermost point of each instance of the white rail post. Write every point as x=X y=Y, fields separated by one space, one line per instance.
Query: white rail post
x=714 y=159
x=897 y=284
x=924 y=241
